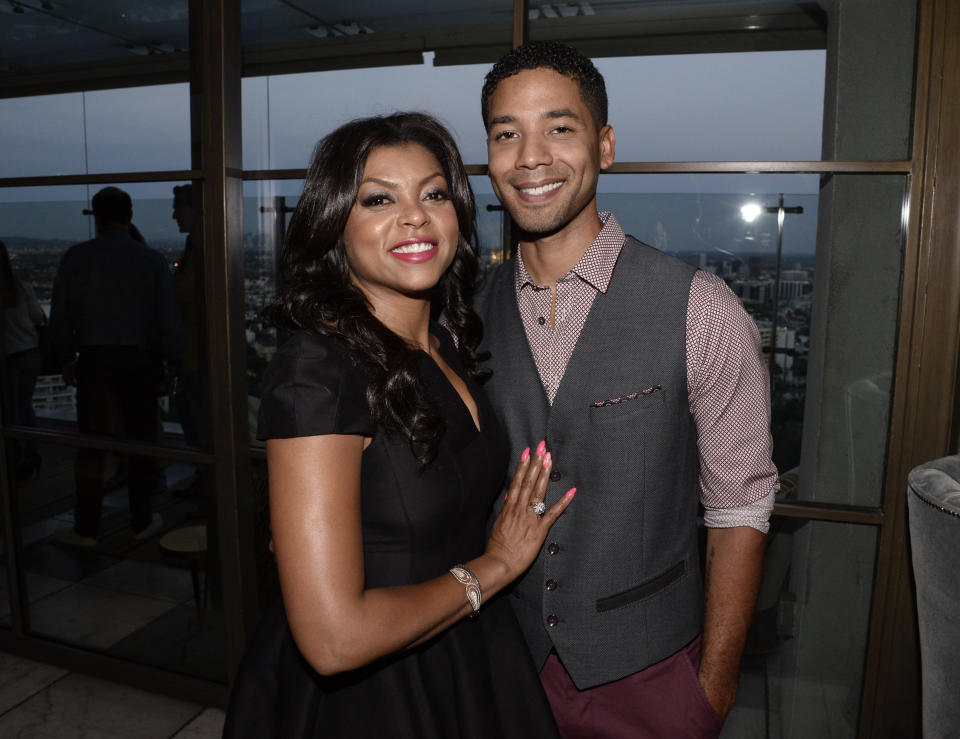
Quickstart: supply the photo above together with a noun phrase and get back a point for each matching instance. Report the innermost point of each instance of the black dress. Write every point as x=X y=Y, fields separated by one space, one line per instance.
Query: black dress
x=475 y=680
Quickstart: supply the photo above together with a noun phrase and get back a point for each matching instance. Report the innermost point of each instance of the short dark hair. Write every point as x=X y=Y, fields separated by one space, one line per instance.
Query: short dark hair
x=319 y=294
x=182 y=195
x=562 y=59
x=112 y=205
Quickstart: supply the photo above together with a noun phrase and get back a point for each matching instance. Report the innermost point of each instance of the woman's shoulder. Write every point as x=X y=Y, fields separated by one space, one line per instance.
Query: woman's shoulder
x=312 y=344
x=312 y=386
x=313 y=358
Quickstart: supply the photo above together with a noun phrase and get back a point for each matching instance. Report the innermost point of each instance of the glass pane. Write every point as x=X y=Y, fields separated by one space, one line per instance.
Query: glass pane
x=490 y=222
x=138 y=128
x=853 y=338
x=129 y=129
x=286 y=114
x=802 y=671
x=73 y=32
x=832 y=360
x=267 y=206
x=166 y=321
x=154 y=598
x=711 y=107
x=42 y=135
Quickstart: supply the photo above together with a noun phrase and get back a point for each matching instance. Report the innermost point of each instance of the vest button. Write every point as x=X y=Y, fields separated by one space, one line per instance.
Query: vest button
x=556 y=475
x=551 y=585
x=553 y=548
x=552 y=620
x=541 y=320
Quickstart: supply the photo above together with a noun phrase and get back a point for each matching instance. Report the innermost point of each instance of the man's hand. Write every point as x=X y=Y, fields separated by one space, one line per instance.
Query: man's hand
x=722 y=693
x=731 y=580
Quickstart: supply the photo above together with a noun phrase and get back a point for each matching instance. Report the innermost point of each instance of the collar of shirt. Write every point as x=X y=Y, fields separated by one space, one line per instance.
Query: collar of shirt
x=595 y=266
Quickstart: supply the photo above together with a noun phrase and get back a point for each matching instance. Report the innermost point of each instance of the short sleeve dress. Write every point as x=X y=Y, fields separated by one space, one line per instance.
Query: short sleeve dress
x=476 y=680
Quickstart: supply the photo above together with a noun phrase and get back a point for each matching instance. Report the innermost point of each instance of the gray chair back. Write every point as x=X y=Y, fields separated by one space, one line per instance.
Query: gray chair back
x=934 y=506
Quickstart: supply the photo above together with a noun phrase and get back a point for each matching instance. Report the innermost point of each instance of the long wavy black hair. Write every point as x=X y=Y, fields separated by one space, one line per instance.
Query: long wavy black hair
x=318 y=294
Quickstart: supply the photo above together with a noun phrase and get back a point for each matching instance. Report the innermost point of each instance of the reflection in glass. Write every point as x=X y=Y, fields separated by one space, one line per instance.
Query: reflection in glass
x=802 y=671
x=23 y=323
x=859 y=268
x=39 y=224
x=154 y=601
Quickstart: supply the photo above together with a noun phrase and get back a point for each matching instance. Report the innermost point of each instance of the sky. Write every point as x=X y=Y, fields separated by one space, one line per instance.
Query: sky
x=738 y=106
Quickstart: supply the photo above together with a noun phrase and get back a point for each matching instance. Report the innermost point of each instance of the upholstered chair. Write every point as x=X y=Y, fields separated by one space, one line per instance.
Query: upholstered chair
x=934 y=506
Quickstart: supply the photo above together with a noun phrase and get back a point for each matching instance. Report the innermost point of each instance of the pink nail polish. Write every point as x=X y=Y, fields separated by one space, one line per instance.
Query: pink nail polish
x=526 y=455
x=546 y=459
x=540 y=447
x=571 y=492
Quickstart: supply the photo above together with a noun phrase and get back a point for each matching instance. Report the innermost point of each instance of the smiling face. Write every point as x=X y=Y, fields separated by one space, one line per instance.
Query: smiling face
x=402 y=231
x=545 y=153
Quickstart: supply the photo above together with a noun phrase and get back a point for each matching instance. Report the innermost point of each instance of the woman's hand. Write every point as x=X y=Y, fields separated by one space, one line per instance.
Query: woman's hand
x=518 y=532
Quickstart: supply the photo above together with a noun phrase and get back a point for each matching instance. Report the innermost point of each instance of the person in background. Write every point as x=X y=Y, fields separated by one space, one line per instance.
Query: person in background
x=22 y=315
x=188 y=281
x=114 y=323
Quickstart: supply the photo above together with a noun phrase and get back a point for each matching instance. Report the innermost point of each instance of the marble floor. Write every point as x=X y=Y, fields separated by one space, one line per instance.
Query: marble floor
x=125 y=597
x=39 y=701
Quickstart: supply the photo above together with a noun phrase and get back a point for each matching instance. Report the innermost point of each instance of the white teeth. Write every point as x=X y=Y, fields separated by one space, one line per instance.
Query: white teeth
x=414 y=248
x=542 y=189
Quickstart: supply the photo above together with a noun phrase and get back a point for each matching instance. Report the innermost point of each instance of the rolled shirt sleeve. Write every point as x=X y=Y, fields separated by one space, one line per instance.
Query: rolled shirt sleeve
x=729 y=397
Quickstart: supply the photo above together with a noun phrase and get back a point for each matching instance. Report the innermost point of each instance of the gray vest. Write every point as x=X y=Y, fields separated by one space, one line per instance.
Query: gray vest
x=617 y=586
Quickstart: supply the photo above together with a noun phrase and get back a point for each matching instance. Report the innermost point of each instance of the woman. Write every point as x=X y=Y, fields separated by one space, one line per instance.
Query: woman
x=21 y=344
x=384 y=459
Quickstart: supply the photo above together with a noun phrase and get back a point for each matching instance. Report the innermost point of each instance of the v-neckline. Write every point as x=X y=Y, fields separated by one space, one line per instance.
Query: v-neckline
x=475 y=421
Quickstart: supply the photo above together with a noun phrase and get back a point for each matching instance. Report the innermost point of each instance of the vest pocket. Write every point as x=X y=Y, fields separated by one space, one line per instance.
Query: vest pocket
x=620 y=408
x=642 y=590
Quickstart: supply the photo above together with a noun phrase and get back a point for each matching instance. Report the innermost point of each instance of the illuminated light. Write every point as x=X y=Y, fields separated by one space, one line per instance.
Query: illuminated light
x=750 y=212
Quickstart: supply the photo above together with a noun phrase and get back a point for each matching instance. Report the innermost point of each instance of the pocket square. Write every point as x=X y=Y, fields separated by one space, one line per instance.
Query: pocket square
x=625 y=398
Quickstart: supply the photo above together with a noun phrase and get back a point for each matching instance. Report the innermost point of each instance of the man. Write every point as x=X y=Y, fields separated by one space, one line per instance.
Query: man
x=113 y=321
x=646 y=379
x=188 y=282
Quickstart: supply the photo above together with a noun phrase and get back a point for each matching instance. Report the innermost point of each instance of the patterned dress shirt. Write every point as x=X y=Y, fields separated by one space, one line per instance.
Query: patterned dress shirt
x=727 y=381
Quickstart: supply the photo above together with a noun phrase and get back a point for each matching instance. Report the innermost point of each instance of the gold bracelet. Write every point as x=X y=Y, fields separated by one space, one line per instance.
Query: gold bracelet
x=466 y=578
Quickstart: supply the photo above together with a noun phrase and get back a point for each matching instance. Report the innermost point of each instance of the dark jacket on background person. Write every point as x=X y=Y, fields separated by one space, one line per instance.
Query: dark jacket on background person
x=114 y=291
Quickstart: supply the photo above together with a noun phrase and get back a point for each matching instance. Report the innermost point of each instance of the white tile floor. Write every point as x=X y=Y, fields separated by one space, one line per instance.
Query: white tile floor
x=39 y=701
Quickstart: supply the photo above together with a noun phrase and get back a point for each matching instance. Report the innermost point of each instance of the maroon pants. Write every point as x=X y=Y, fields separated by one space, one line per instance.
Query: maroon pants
x=663 y=701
